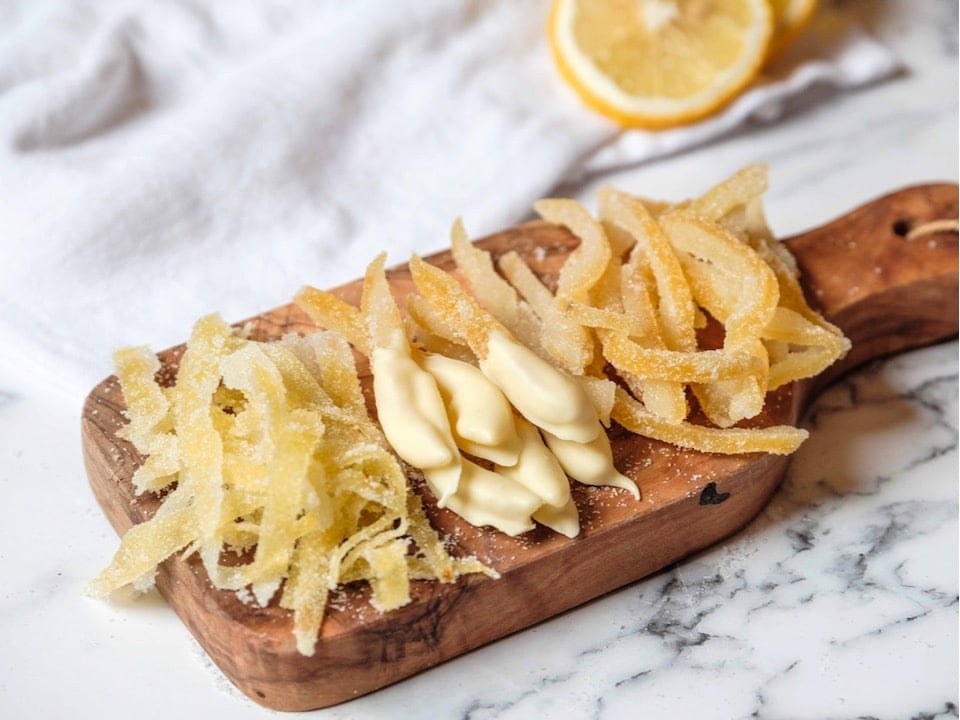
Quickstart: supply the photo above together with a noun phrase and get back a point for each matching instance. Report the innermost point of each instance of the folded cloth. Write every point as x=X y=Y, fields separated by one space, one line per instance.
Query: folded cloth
x=159 y=161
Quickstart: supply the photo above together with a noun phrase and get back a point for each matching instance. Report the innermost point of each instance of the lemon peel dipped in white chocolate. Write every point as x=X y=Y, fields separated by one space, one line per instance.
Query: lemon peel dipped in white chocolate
x=481 y=417
x=541 y=392
x=410 y=407
x=659 y=309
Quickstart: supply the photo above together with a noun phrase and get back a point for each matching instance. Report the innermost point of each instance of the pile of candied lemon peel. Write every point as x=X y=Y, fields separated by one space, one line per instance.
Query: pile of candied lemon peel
x=624 y=321
x=275 y=477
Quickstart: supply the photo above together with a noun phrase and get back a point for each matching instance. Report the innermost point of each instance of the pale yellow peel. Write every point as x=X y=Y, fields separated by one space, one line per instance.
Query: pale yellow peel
x=279 y=461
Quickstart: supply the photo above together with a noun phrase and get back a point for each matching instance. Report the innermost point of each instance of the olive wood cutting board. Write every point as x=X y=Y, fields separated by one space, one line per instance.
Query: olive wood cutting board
x=868 y=272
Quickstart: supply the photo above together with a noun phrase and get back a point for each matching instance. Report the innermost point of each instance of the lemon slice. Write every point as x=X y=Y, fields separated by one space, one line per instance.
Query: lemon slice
x=790 y=17
x=659 y=63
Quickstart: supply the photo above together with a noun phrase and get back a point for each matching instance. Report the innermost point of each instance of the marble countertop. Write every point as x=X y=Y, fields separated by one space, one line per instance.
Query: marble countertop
x=839 y=601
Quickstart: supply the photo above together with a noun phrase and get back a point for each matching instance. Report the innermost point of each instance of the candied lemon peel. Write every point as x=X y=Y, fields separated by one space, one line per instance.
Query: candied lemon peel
x=617 y=335
x=265 y=450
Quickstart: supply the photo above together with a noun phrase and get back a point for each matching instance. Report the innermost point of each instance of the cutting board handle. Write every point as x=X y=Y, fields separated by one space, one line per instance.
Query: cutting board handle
x=885 y=273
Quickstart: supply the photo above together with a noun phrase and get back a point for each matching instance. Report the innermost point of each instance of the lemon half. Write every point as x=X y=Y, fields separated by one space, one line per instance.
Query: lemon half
x=659 y=63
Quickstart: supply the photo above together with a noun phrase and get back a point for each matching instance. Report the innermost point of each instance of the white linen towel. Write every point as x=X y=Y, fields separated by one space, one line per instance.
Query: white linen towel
x=159 y=161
